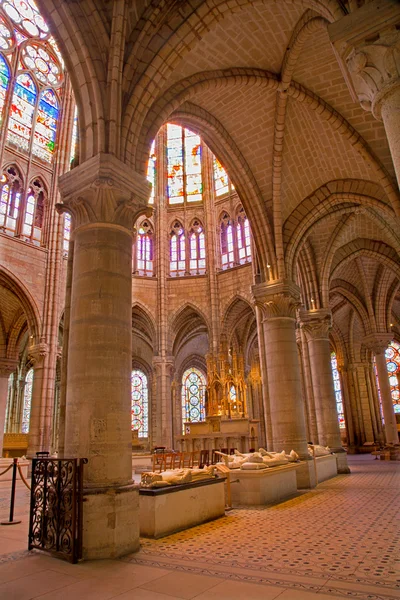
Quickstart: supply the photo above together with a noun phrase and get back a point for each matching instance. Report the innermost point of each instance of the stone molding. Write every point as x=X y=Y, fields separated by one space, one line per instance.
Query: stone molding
x=316 y=324
x=367 y=45
x=104 y=190
x=377 y=342
x=37 y=353
x=7 y=366
x=277 y=300
x=167 y=362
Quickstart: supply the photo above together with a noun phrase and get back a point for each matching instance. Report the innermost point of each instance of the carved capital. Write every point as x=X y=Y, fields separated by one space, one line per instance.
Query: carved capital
x=104 y=190
x=277 y=300
x=7 y=366
x=37 y=353
x=377 y=342
x=166 y=364
x=316 y=324
x=367 y=45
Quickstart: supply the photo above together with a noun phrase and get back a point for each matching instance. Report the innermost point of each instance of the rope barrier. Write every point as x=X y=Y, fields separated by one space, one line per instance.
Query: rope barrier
x=22 y=477
x=8 y=468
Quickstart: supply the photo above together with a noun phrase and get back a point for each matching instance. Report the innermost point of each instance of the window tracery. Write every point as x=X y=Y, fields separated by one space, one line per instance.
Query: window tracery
x=139 y=403
x=10 y=200
x=227 y=245
x=392 y=355
x=144 y=250
x=193 y=396
x=243 y=237
x=184 y=165
x=26 y=409
x=33 y=216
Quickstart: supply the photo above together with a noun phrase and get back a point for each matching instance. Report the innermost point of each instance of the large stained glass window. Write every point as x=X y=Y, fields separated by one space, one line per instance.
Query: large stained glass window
x=221 y=181
x=177 y=265
x=338 y=391
x=30 y=58
x=227 y=245
x=197 y=248
x=193 y=397
x=10 y=198
x=151 y=172
x=184 y=165
x=67 y=233
x=392 y=355
x=243 y=237
x=140 y=403
x=26 y=409
x=144 y=250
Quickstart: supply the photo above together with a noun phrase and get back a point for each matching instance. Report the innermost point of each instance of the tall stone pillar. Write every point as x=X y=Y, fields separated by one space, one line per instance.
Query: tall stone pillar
x=105 y=198
x=378 y=344
x=164 y=371
x=6 y=368
x=316 y=325
x=278 y=303
x=367 y=43
x=39 y=421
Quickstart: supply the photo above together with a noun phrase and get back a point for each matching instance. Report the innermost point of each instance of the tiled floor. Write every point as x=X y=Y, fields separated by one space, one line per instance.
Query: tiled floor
x=340 y=540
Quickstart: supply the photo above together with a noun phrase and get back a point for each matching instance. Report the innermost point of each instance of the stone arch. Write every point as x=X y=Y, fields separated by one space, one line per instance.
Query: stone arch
x=143 y=325
x=185 y=324
x=378 y=250
x=239 y=322
x=351 y=295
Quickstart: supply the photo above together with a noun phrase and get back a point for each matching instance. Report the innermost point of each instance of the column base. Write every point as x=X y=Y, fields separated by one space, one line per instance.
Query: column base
x=394 y=451
x=306 y=475
x=341 y=458
x=110 y=522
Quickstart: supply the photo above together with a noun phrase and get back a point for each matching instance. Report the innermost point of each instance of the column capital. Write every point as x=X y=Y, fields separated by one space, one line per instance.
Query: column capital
x=377 y=342
x=367 y=45
x=37 y=353
x=7 y=366
x=316 y=324
x=168 y=362
x=103 y=189
x=278 y=299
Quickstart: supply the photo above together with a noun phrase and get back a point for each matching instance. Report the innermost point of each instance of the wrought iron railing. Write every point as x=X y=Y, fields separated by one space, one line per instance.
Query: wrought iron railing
x=55 y=520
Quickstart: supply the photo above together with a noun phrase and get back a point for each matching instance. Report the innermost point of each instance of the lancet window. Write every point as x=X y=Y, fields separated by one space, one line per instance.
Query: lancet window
x=392 y=355
x=139 y=403
x=27 y=405
x=338 y=391
x=33 y=215
x=222 y=182
x=177 y=250
x=197 y=249
x=184 y=165
x=193 y=396
x=10 y=200
x=227 y=243
x=144 y=250
x=243 y=237
x=67 y=233
x=151 y=172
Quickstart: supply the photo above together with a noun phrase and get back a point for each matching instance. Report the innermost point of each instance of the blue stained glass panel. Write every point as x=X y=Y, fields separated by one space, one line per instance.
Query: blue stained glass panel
x=4 y=79
x=46 y=126
x=22 y=109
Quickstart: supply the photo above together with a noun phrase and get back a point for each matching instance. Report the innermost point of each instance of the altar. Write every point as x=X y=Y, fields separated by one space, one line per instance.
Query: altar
x=218 y=432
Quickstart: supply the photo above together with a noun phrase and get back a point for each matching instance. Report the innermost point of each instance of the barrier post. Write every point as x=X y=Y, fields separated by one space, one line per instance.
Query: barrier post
x=12 y=501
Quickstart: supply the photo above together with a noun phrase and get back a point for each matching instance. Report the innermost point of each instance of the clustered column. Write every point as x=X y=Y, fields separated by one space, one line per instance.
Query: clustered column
x=6 y=368
x=105 y=198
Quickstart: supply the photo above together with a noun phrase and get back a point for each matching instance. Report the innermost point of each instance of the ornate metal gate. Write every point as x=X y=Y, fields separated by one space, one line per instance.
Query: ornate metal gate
x=55 y=520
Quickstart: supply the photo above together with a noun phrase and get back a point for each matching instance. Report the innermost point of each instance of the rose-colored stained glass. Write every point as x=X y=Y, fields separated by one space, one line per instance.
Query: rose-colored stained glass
x=4 y=81
x=22 y=109
x=46 y=126
x=338 y=391
x=139 y=403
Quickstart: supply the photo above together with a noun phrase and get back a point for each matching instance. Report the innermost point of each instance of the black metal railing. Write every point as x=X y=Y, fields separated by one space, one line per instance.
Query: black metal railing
x=55 y=519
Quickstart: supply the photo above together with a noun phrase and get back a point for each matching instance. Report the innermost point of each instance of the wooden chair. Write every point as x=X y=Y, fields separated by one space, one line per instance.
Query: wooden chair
x=204 y=459
x=224 y=450
x=158 y=462
x=186 y=460
x=195 y=458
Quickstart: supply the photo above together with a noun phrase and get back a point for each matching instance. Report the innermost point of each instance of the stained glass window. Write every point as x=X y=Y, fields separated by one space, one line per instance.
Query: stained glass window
x=227 y=245
x=74 y=139
x=193 y=397
x=144 y=250
x=392 y=355
x=10 y=198
x=140 y=403
x=25 y=14
x=26 y=410
x=4 y=78
x=338 y=391
x=151 y=172
x=177 y=265
x=22 y=108
x=9 y=400
x=233 y=397
x=197 y=248
x=221 y=181
x=46 y=126
x=67 y=233
x=184 y=165
x=243 y=238
x=33 y=217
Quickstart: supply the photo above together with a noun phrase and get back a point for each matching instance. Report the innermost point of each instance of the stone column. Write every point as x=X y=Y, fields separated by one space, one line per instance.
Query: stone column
x=164 y=371
x=367 y=43
x=316 y=325
x=6 y=368
x=105 y=198
x=39 y=422
x=378 y=344
x=278 y=303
